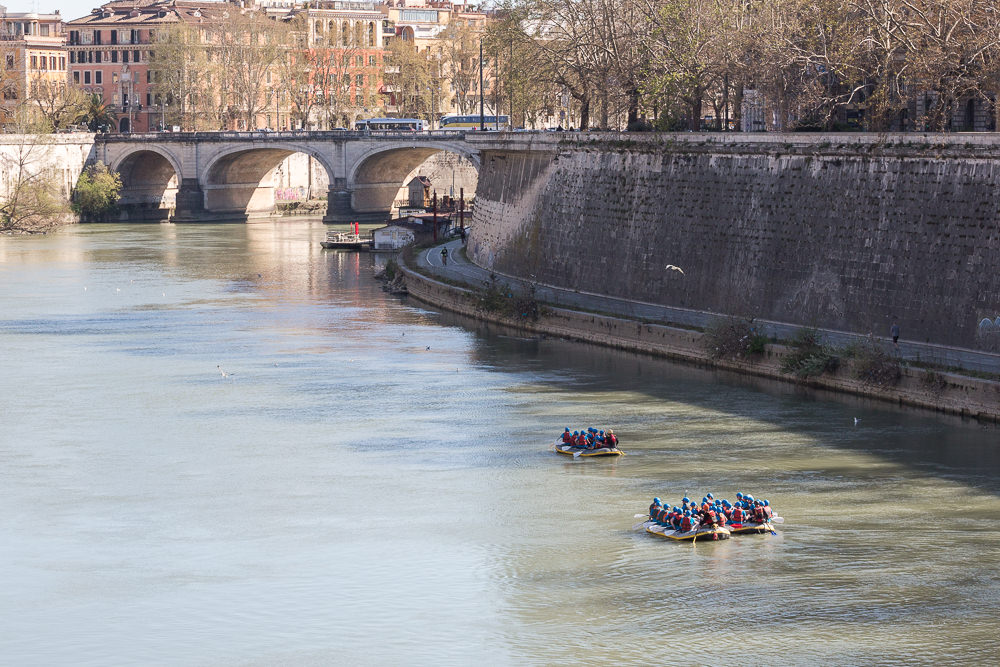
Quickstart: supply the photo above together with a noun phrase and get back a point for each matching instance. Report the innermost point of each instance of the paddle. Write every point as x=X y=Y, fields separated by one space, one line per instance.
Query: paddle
x=770 y=528
x=641 y=523
x=777 y=519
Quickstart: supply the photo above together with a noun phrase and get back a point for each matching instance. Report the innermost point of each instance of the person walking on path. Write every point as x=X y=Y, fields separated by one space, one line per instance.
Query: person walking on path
x=444 y=256
x=894 y=332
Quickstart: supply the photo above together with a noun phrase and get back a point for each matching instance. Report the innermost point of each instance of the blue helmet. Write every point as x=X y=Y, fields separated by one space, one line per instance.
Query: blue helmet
x=710 y=496
x=748 y=498
x=686 y=500
x=567 y=430
x=602 y=432
x=576 y=433
x=765 y=503
x=740 y=496
x=657 y=501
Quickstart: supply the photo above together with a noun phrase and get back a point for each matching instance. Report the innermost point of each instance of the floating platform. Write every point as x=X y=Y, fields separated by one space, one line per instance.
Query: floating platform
x=346 y=241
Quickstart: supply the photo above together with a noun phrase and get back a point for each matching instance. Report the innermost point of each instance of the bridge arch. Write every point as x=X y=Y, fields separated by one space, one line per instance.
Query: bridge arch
x=377 y=174
x=150 y=178
x=235 y=180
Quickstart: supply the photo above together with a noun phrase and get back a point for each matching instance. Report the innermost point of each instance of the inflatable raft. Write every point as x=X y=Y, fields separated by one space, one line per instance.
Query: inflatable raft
x=750 y=528
x=572 y=450
x=697 y=535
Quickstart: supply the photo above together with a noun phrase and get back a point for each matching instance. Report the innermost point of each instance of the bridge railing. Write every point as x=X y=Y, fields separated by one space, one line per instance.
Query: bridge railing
x=284 y=136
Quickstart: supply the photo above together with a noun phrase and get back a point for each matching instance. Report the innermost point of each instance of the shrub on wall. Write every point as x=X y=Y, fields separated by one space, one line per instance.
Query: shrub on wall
x=808 y=357
x=97 y=192
x=734 y=337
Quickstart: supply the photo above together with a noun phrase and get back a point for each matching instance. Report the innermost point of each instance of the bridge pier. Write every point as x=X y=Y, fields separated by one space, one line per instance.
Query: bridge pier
x=190 y=206
x=340 y=211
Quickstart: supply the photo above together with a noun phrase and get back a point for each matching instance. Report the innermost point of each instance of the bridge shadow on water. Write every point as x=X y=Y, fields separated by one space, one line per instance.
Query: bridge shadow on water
x=936 y=444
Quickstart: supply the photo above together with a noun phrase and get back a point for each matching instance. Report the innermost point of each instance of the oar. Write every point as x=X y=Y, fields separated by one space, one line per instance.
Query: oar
x=636 y=516
x=777 y=519
x=770 y=528
x=636 y=526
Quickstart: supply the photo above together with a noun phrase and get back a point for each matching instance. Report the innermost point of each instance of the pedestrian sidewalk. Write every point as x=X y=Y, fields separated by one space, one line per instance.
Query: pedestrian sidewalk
x=458 y=268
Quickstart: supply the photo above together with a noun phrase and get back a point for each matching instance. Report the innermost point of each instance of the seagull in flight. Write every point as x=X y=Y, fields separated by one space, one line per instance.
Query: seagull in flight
x=224 y=373
x=856 y=420
x=674 y=268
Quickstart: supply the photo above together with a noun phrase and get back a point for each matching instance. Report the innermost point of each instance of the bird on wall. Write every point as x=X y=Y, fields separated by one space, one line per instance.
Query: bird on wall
x=674 y=268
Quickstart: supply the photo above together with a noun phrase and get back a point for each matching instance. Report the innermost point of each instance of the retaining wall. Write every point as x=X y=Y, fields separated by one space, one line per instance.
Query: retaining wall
x=844 y=232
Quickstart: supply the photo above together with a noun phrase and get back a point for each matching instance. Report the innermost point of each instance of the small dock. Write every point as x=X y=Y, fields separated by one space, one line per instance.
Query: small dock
x=346 y=241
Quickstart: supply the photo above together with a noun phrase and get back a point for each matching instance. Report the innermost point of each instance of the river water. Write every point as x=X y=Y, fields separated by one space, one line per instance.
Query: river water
x=371 y=483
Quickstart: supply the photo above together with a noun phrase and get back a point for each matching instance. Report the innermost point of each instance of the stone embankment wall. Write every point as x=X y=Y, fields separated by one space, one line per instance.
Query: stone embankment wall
x=845 y=232
x=60 y=155
x=943 y=392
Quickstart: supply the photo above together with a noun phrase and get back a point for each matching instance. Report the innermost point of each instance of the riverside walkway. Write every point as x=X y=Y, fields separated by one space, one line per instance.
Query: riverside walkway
x=459 y=268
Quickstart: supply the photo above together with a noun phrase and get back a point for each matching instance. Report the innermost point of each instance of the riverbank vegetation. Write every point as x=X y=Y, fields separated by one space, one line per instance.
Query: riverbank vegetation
x=97 y=192
x=734 y=338
x=33 y=200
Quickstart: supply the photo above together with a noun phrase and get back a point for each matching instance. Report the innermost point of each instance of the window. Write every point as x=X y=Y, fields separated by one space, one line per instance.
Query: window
x=62 y=63
x=10 y=62
x=98 y=76
x=76 y=78
x=34 y=62
x=149 y=100
x=72 y=57
x=97 y=56
x=371 y=61
x=86 y=36
x=149 y=77
x=86 y=77
x=44 y=30
x=359 y=80
x=124 y=56
x=359 y=61
x=114 y=56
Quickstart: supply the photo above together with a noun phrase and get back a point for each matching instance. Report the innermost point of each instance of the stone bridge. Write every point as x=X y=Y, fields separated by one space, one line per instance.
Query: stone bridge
x=227 y=175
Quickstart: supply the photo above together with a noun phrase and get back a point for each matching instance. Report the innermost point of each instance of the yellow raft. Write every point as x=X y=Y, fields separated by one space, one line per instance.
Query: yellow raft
x=709 y=533
x=570 y=450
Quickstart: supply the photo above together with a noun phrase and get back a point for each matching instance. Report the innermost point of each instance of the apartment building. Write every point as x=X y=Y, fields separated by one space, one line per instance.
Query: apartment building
x=109 y=53
x=33 y=58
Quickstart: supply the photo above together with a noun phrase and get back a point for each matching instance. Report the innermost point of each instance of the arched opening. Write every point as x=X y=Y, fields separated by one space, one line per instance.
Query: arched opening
x=123 y=125
x=970 y=116
x=380 y=183
x=371 y=34
x=149 y=186
x=263 y=182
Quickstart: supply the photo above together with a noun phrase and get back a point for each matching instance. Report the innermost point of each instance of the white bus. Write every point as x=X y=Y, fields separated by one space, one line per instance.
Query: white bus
x=472 y=121
x=383 y=124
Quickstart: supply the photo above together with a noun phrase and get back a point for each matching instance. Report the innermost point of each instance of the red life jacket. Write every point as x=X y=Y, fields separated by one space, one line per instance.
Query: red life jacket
x=567 y=437
x=767 y=512
x=580 y=441
x=758 y=514
x=612 y=440
x=686 y=524
x=737 y=515
x=710 y=517
x=721 y=516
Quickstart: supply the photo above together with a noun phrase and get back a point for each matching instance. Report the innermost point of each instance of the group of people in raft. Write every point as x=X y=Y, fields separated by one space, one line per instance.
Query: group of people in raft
x=691 y=515
x=590 y=439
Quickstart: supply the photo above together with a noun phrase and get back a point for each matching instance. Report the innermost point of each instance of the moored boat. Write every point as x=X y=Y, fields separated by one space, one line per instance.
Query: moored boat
x=698 y=534
x=575 y=451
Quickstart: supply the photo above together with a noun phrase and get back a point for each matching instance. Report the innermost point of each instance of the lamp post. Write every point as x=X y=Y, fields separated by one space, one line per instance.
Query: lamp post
x=482 y=117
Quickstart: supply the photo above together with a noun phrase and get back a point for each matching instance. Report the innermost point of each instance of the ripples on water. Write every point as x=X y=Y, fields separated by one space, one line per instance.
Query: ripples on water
x=372 y=484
